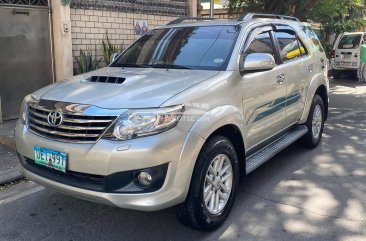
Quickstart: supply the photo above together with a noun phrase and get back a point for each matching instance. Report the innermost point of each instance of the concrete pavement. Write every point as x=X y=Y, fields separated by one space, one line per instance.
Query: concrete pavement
x=8 y=165
x=7 y=133
x=8 y=157
x=300 y=194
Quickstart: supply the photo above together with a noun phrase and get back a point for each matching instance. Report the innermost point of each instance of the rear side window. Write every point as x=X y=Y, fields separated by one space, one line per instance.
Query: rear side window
x=290 y=46
x=262 y=43
x=350 y=41
x=312 y=38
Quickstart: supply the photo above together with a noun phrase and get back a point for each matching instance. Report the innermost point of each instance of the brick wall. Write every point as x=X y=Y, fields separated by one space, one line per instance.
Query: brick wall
x=88 y=28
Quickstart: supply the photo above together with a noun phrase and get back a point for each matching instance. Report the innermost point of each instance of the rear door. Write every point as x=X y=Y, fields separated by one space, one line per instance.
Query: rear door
x=298 y=68
x=347 y=51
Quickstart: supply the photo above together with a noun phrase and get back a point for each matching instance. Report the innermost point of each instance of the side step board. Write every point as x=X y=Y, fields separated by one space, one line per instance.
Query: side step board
x=263 y=155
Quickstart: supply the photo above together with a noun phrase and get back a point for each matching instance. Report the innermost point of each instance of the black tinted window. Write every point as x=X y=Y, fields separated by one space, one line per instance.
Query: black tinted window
x=290 y=47
x=207 y=47
x=350 y=41
x=262 y=43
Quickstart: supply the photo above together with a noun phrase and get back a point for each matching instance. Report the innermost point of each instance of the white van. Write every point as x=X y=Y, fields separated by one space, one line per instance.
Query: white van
x=346 y=53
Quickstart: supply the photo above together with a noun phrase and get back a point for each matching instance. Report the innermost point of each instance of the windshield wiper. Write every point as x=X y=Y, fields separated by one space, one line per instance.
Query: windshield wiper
x=131 y=65
x=169 y=66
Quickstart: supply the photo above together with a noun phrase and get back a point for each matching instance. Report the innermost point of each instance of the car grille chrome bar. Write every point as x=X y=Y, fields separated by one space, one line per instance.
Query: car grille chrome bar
x=75 y=127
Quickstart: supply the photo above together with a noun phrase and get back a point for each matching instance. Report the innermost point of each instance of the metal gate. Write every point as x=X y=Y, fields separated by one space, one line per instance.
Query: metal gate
x=25 y=52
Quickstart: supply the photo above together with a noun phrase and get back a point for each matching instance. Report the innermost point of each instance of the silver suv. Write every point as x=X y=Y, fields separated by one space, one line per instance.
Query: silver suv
x=180 y=116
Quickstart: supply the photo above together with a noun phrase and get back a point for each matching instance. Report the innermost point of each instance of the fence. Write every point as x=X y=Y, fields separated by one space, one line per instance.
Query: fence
x=155 y=7
x=39 y=3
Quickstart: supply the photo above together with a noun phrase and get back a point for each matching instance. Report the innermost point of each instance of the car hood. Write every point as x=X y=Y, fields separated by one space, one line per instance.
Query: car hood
x=142 y=88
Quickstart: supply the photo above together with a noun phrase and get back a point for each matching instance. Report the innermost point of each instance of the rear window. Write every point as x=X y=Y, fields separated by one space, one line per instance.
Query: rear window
x=313 y=39
x=350 y=41
x=290 y=46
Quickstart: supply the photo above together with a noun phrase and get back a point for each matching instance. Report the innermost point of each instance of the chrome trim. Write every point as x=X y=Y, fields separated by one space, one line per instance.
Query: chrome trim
x=63 y=134
x=75 y=109
x=85 y=121
x=79 y=121
x=70 y=127
x=37 y=114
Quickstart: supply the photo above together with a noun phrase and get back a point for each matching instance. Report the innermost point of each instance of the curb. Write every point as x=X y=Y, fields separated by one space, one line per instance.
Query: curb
x=7 y=135
x=9 y=142
x=10 y=175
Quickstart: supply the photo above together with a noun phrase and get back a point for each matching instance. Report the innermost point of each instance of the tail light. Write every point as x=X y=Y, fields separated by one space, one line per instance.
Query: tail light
x=332 y=54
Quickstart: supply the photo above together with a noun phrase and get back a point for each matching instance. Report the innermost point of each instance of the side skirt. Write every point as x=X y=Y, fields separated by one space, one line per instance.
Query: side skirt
x=263 y=155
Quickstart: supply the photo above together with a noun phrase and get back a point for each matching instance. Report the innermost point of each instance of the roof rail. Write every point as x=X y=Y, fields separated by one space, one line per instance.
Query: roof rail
x=182 y=19
x=249 y=16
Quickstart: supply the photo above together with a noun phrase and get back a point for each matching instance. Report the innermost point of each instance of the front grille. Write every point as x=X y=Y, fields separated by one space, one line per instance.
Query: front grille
x=74 y=128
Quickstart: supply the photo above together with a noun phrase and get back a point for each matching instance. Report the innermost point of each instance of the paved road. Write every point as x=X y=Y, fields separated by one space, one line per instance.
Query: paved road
x=6 y=157
x=299 y=195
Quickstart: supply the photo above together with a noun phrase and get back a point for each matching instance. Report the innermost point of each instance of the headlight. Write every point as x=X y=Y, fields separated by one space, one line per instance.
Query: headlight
x=24 y=108
x=144 y=122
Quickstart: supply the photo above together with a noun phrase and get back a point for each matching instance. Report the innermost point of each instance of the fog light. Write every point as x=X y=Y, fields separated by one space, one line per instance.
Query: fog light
x=144 y=178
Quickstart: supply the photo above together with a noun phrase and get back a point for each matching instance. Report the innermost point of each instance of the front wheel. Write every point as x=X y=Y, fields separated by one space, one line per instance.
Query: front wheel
x=213 y=186
x=314 y=123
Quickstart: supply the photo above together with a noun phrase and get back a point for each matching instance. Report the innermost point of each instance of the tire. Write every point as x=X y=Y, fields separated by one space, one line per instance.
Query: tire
x=194 y=212
x=315 y=131
x=336 y=74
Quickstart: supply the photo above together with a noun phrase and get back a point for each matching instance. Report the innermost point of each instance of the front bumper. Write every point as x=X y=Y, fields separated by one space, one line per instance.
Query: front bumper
x=176 y=149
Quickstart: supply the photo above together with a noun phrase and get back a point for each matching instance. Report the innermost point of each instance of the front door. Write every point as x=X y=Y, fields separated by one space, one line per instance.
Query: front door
x=264 y=94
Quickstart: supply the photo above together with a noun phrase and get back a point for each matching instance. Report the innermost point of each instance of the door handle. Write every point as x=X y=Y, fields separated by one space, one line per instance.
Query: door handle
x=23 y=12
x=322 y=61
x=311 y=68
x=281 y=78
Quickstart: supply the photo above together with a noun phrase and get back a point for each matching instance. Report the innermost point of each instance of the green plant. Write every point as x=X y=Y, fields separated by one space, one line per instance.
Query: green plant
x=108 y=49
x=86 y=62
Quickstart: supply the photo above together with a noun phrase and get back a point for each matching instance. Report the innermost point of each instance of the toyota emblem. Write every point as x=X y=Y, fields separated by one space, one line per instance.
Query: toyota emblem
x=55 y=118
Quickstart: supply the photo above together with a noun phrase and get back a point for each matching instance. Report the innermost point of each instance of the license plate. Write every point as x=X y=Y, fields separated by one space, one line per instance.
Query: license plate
x=345 y=56
x=346 y=64
x=50 y=158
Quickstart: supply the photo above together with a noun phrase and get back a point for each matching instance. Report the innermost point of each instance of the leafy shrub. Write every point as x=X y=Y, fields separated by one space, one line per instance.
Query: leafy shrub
x=109 y=49
x=86 y=62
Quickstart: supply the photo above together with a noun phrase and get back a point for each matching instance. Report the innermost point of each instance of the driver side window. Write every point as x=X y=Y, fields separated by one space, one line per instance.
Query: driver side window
x=262 y=43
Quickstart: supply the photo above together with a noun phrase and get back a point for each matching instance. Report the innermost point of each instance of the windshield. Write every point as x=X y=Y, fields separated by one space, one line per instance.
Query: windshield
x=203 y=48
x=350 y=41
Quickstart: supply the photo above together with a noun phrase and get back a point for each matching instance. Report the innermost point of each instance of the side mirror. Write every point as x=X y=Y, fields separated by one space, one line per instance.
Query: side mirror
x=114 y=56
x=259 y=62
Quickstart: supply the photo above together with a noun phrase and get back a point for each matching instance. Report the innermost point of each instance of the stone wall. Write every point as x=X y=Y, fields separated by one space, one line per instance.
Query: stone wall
x=89 y=28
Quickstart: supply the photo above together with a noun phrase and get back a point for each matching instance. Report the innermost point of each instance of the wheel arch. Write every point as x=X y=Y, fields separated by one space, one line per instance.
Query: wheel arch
x=319 y=85
x=322 y=92
x=223 y=120
x=232 y=132
x=226 y=121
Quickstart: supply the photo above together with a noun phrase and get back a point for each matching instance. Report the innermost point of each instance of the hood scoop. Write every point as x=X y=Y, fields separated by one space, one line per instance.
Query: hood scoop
x=106 y=79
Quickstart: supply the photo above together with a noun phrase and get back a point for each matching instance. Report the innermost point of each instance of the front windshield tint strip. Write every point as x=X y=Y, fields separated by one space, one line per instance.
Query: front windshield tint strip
x=203 y=48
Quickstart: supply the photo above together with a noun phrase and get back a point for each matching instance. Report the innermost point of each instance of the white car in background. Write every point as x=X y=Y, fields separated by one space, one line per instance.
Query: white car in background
x=346 y=53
